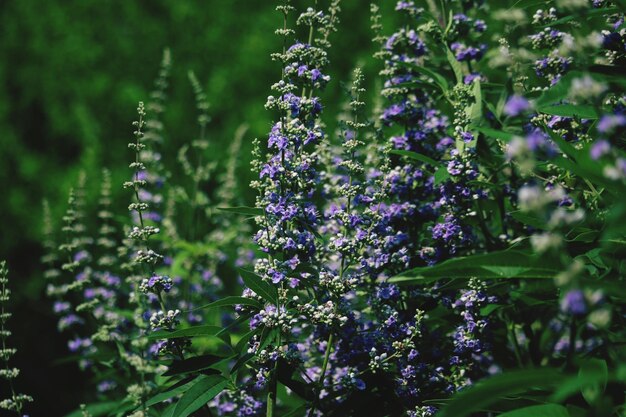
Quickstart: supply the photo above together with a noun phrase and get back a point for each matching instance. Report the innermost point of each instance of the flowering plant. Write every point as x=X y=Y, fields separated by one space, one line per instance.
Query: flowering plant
x=456 y=241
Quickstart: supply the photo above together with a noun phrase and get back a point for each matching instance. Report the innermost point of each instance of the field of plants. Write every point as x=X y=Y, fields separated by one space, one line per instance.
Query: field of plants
x=299 y=208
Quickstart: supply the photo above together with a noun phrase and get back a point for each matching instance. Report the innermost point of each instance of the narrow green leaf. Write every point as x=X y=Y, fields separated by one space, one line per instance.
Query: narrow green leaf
x=193 y=364
x=590 y=371
x=489 y=391
x=416 y=156
x=570 y=110
x=545 y=410
x=475 y=110
x=172 y=392
x=260 y=287
x=231 y=301
x=241 y=362
x=565 y=147
x=441 y=175
x=203 y=391
x=245 y=210
x=591 y=380
x=417 y=84
x=456 y=66
x=203 y=330
x=494 y=133
x=488 y=309
x=243 y=342
x=609 y=73
x=169 y=411
x=585 y=170
x=440 y=80
x=504 y=264
x=588 y=14
x=297 y=412
x=528 y=219
x=268 y=336
x=587 y=236
x=96 y=409
x=557 y=92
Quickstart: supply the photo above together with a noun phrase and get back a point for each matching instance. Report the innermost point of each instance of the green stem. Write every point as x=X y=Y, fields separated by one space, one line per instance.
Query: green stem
x=271 y=394
x=329 y=347
x=516 y=346
x=320 y=382
x=569 y=365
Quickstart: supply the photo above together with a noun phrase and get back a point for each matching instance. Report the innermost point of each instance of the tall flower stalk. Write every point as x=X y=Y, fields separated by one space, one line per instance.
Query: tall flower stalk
x=287 y=186
x=155 y=285
x=16 y=401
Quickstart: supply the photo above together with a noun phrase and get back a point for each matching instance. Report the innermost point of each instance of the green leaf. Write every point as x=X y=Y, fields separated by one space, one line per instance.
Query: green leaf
x=456 y=66
x=260 y=287
x=268 y=336
x=245 y=210
x=298 y=411
x=570 y=110
x=441 y=175
x=557 y=92
x=528 y=219
x=489 y=391
x=203 y=330
x=488 y=309
x=588 y=14
x=609 y=73
x=586 y=236
x=203 y=391
x=193 y=364
x=416 y=84
x=504 y=264
x=169 y=411
x=96 y=409
x=621 y=4
x=231 y=301
x=243 y=359
x=243 y=342
x=564 y=146
x=545 y=410
x=123 y=408
x=172 y=391
x=416 y=156
x=475 y=110
x=591 y=381
x=494 y=133
x=584 y=169
x=440 y=80
x=596 y=373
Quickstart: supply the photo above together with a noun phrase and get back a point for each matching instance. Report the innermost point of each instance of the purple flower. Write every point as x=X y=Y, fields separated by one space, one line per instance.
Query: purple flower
x=315 y=74
x=467 y=137
x=516 y=105
x=468 y=79
x=599 y=148
x=573 y=302
x=609 y=123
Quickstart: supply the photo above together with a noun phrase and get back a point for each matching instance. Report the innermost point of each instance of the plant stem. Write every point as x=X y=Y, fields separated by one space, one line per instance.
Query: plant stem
x=271 y=394
x=329 y=347
x=320 y=382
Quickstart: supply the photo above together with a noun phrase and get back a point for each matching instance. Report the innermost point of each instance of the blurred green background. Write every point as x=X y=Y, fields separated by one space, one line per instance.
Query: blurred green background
x=71 y=74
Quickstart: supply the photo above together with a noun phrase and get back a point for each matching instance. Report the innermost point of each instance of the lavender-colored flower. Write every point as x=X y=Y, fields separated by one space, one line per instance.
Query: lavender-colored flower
x=573 y=302
x=608 y=124
x=599 y=148
x=516 y=105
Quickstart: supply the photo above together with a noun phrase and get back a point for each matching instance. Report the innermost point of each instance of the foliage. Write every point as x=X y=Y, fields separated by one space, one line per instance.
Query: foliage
x=450 y=243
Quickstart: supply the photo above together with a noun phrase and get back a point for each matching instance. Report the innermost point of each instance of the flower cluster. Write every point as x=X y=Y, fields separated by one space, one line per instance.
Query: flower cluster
x=465 y=224
x=16 y=402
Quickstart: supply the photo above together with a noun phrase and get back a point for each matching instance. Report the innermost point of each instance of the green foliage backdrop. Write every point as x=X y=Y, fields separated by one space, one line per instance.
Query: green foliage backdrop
x=71 y=73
